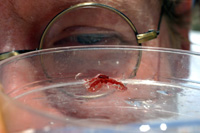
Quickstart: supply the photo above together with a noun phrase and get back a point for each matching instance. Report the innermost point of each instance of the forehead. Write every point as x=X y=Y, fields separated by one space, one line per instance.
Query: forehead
x=41 y=12
x=37 y=8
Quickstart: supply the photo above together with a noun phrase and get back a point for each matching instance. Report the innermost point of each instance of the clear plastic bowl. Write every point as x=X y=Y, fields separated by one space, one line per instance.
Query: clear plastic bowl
x=47 y=90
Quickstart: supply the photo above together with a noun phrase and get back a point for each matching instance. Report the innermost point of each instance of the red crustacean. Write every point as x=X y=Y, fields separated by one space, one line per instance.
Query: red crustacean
x=96 y=83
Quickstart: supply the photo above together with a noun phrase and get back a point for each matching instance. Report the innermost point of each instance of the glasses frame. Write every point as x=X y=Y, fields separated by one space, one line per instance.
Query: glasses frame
x=141 y=38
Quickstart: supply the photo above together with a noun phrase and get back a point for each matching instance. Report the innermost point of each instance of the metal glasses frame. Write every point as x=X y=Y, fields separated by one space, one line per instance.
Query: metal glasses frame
x=143 y=37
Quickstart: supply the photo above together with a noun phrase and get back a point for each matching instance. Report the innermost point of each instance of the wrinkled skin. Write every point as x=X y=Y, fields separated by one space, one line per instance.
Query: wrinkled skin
x=23 y=22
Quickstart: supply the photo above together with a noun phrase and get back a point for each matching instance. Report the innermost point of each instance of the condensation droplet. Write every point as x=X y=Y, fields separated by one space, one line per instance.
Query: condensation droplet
x=99 y=62
x=52 y=123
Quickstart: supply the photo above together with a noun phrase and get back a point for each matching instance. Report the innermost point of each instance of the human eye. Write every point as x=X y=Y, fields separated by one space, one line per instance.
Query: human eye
x=93 y=38
x=88 y=26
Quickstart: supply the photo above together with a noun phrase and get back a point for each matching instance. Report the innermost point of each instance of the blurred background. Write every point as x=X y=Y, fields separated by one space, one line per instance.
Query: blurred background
x=195 y=27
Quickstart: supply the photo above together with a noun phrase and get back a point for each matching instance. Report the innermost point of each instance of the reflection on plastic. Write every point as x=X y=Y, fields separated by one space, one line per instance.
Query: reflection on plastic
x=55 y=95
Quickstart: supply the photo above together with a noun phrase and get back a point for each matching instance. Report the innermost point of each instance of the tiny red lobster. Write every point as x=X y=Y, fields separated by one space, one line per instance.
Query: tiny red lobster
x=96 y=83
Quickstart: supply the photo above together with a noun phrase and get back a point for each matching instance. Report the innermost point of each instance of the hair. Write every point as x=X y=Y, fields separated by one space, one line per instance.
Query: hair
x=176 y=21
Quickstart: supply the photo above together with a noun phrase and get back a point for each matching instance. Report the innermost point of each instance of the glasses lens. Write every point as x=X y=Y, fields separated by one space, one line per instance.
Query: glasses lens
x=87 y=62
x=88 y=25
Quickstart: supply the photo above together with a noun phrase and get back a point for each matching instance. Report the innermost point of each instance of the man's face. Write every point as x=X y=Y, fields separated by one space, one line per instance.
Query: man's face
x=23 y=22
x=22 y=25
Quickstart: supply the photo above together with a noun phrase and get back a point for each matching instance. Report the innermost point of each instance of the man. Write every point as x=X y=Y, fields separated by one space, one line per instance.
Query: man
x=22 y=24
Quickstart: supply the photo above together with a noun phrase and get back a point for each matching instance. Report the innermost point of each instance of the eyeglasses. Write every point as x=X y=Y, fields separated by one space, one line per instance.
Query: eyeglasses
x=90 y=24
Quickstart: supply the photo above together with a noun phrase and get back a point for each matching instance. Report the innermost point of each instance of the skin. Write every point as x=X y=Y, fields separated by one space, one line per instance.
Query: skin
x=23 y=22
x=28 y=20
